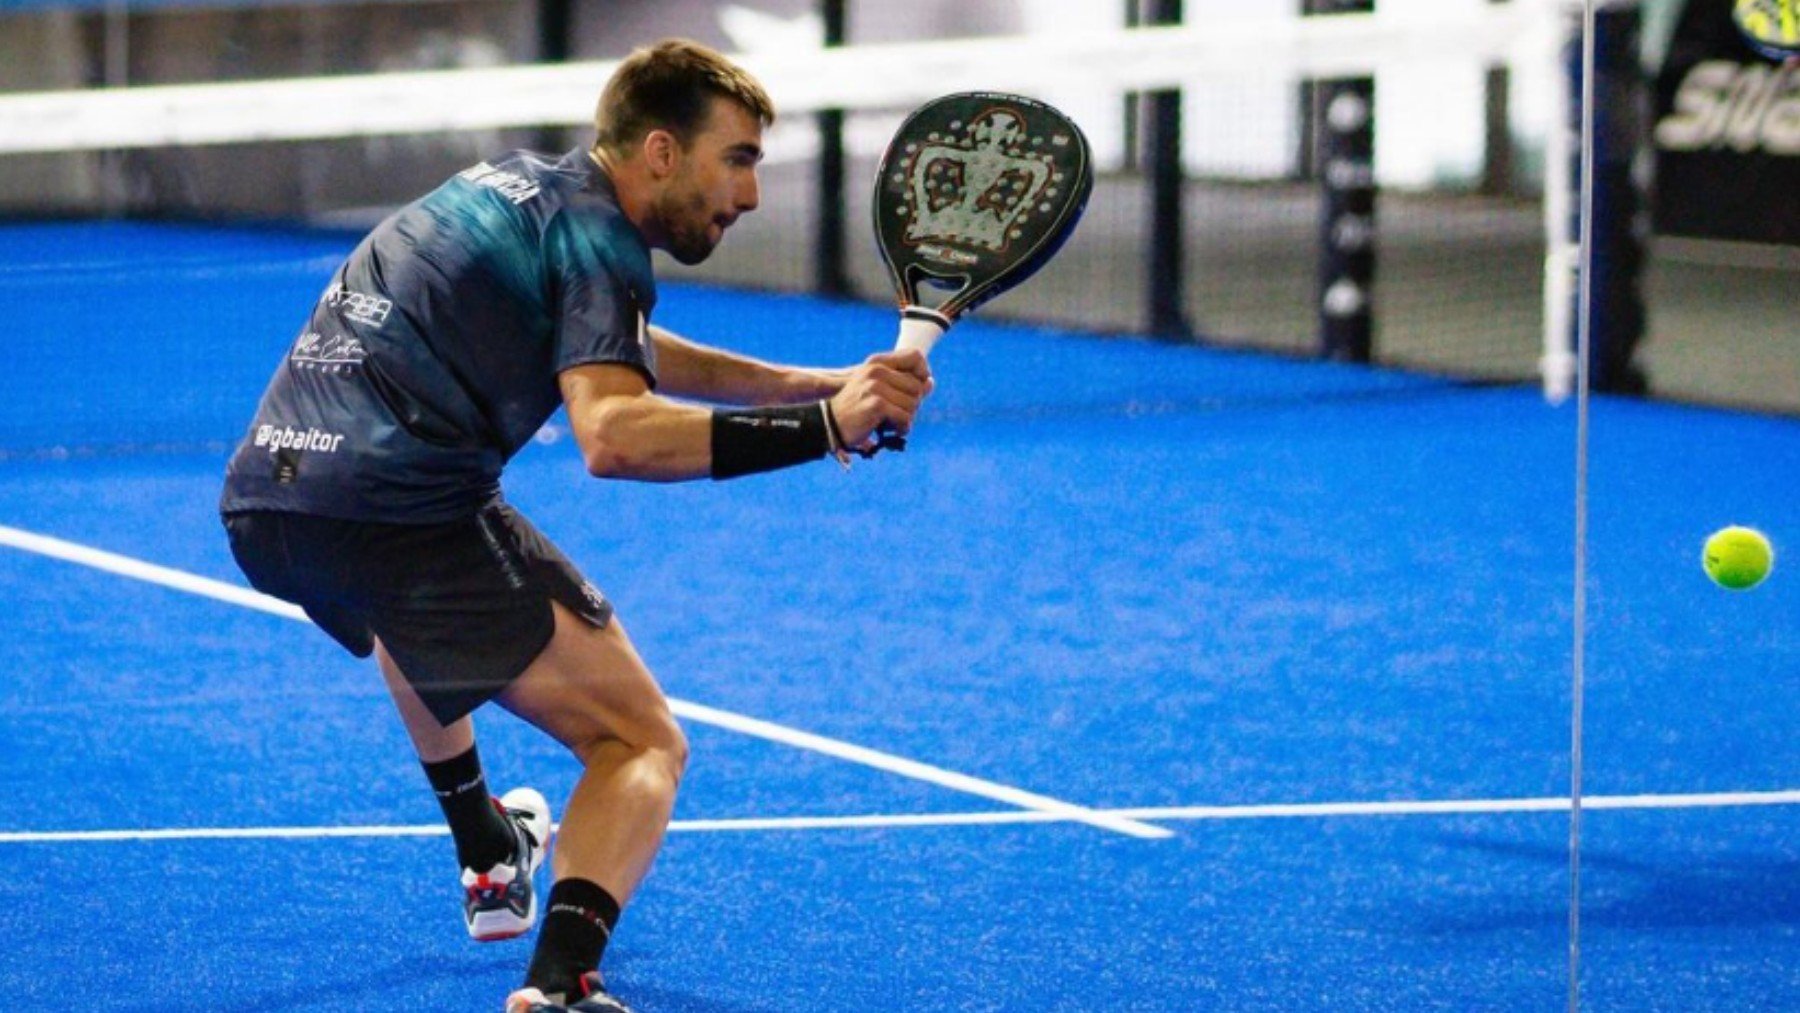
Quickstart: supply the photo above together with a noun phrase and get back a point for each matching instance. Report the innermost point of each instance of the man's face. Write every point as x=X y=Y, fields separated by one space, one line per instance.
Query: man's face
x=714 y=182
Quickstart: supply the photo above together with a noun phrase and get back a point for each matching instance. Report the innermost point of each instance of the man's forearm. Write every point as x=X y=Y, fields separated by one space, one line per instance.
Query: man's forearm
x=686 y=369
x=647 y=438
x=653 y=439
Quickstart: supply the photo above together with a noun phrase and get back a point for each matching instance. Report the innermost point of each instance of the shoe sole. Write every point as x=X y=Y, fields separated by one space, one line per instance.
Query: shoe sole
x=499 y=926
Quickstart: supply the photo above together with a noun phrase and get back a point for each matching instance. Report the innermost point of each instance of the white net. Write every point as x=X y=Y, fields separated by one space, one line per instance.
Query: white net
x=1464 y=96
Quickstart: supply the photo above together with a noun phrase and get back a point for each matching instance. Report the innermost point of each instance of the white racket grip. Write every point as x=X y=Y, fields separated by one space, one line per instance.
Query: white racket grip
x=919 y=332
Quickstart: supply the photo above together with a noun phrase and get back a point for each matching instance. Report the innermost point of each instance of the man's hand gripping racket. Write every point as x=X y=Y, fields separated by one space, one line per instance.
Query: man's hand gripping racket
x=976 y=192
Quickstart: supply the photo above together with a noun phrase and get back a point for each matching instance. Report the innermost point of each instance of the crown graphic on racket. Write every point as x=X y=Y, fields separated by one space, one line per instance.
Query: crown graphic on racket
x=976 y=192
x=978 y=189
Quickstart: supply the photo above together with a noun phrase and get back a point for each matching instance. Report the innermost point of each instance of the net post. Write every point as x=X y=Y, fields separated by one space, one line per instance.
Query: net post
x=115 y=72
x=1497 y=169
x=1131 y=128
x=1620 y=118
x=1162 y=152
x=1616 y=313
x=1343 y=117
x=831 y=277
x=554 y=19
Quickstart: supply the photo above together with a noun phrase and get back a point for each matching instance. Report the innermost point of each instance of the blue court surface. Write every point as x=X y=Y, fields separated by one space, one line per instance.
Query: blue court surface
x=1150 y=678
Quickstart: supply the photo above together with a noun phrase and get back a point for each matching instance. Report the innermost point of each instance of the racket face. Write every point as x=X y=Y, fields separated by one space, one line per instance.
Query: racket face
x=976 y=192
x=1772 y=27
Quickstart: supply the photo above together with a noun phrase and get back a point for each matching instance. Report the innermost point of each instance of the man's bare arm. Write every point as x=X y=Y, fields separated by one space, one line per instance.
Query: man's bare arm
x=687 y=369
x=625 y=430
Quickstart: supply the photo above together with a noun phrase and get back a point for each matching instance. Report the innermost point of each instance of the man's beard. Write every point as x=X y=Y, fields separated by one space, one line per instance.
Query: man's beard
x=689 y=242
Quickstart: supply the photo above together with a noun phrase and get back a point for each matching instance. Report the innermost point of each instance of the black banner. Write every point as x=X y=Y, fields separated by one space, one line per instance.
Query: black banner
x=1727 y=135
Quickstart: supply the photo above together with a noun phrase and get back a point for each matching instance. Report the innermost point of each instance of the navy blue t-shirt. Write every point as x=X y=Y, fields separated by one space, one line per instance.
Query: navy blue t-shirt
x=432 y=356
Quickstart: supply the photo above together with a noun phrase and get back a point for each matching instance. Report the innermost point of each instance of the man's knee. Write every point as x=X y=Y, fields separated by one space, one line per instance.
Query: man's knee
x=659 y=747
x=667 y=750
x=675 y=752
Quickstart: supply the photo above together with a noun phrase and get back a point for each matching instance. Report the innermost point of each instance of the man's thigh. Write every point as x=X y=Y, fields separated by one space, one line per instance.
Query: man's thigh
x=462 y=608
x=589 y=686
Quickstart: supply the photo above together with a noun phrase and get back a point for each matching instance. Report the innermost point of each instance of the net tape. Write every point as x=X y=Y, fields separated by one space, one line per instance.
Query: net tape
x=869 y=77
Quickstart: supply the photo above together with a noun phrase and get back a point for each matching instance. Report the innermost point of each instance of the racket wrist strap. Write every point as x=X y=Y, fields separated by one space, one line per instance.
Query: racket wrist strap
x=835 y=435
x=746 y=441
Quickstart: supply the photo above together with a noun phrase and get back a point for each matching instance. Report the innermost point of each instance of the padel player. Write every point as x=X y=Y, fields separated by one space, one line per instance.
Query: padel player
x=367 y=489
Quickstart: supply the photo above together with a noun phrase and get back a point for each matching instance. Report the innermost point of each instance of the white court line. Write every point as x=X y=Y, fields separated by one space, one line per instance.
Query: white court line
x=1314 y=810
x=137 y=569
x=918 y=771
x=179 y=580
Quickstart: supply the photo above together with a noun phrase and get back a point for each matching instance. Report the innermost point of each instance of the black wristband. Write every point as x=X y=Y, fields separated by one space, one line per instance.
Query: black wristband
x=751 y=440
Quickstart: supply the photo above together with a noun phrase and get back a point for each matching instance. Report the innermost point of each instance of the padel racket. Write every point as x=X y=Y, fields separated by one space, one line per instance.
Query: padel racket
x=976 y=191
x=1772 y=27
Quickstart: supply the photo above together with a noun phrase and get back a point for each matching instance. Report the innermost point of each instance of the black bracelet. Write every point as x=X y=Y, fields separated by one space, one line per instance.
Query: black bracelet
x=751 y=440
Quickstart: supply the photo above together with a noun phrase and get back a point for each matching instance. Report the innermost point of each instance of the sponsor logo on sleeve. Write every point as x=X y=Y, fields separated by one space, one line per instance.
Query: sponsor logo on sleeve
x=335 y=354
x=359 y=306
x=511 y=185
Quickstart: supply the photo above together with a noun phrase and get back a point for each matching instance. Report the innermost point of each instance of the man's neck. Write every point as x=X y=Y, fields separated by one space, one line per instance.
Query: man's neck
x=630 y=192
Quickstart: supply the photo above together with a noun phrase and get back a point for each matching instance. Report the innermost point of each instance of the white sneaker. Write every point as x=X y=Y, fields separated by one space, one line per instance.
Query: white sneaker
x=500 y=902
x=594 y=999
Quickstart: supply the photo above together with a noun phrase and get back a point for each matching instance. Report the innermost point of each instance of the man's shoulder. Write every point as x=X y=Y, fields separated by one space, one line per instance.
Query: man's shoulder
x=522 y=176
x=587 y=219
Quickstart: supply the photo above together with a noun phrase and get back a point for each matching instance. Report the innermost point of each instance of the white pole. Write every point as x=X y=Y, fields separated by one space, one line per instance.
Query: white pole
x=1562 y=251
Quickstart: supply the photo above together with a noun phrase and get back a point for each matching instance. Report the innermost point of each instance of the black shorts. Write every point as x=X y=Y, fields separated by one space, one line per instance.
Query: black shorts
x=462 y=607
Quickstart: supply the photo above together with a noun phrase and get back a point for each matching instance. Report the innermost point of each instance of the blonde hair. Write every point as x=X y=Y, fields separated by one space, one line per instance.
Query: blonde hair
x=669 y=86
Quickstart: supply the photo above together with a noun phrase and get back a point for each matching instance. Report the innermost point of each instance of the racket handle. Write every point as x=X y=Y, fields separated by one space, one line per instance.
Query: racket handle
x=920 y=330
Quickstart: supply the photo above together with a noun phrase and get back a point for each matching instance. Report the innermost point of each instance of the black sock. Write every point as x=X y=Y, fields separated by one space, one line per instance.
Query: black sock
x=578 y=921
x=483 y=838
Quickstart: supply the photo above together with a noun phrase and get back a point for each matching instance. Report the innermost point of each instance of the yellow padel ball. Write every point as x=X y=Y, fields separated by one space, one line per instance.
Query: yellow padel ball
x=1737 y=558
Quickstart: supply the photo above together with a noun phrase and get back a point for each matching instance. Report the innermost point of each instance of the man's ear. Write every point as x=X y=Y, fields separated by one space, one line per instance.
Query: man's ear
x=662 y=153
